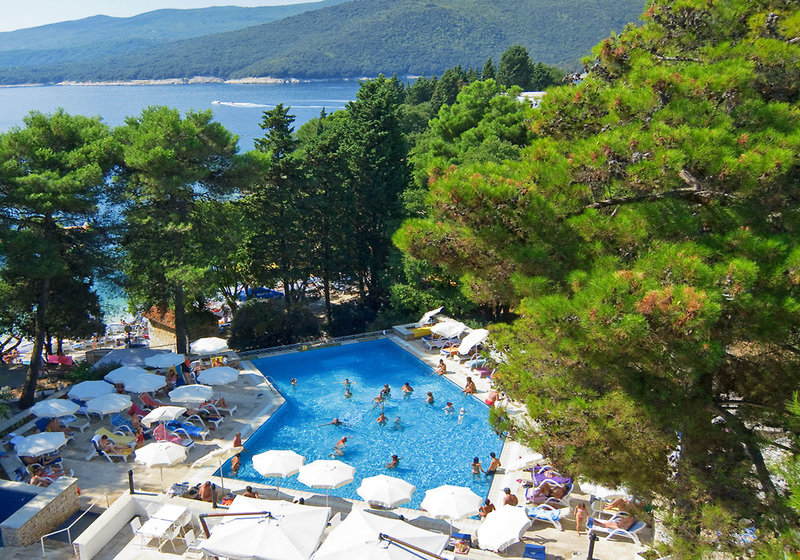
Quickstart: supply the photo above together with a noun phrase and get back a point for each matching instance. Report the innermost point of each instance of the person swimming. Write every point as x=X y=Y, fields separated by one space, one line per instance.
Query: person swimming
x=347 y=393
x=407 y=390
x=393 y=463
x=294 y=382
x=461 y=414
x=429 y=398
x=381 y=419
x=338 y=449
x=398 y=424
x=448 y=409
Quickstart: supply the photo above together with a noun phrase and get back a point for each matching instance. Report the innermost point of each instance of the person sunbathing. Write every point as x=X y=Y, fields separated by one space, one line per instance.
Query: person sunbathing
x=38 y=478
x=470 y=388
x=55 y=426
x=441 y=369
x=107 y=444
x=624 y=522
x=549 y=489
x=249 y=492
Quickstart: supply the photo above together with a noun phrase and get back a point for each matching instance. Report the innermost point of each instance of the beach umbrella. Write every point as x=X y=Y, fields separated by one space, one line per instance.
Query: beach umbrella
x=40 y=444
x=86 y=390
x=208 y=345
x=164 y=360
x=120 y=374
x=600 y=491
x=427 y=317
x=359 y=537
x=503 y=527
x=278 y=463
x=163 y=414
x=191 y=393
x=523 y=460
x=451 y=502
x=108 y=404
x=217 y=457
x=52 y=408
x=279 y=531
x=144 y=383
x=474 y=338
x=220 y=375
x=386 y=491
x=160 y=454
x=448 y=329
x=327 y=474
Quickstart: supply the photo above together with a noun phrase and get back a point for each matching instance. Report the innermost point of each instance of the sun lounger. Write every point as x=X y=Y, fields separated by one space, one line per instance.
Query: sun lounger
x=123 y=425
x=218 y=410
x=535 y=551
x=96 y=451
x=438 y=343
x=162 y=434
x=117 y=437
x=609 y=532
x=548 y=515
x=150 y=402
x=187 y=428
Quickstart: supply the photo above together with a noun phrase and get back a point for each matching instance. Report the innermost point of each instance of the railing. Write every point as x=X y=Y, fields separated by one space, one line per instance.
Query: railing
x=71 y=525
x=311 y=344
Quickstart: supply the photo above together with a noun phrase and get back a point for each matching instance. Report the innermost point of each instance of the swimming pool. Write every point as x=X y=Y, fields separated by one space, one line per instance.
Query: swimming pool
x=10 y=502
x=434 y=448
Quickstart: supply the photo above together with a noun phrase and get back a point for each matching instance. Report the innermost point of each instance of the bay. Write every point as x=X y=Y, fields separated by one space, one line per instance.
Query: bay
x=237 y=106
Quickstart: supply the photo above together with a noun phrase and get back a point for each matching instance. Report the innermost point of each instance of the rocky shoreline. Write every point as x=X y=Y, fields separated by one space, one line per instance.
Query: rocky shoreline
x=180 y=81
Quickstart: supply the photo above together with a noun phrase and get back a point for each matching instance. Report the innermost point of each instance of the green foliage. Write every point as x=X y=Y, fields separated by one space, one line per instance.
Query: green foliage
x=488 y=72
x=84 y=371
x=264 y=324
x=53 y=174
x=406 y=37
x=646 y=237
x=171 y=165
x=515 y=68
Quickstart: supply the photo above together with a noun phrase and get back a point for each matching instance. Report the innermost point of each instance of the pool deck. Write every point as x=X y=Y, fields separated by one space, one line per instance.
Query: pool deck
x=256 y=401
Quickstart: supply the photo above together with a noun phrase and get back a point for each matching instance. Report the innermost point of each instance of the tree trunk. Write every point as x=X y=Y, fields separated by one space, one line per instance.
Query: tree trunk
x=29 y=389
x=326 y=287
x=180 y=321
x=287 y=293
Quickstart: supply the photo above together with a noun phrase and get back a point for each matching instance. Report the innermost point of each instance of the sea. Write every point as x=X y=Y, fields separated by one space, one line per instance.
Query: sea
x=238 y=107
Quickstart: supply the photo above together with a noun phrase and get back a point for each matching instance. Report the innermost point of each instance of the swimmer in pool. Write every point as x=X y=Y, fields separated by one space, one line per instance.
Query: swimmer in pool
x=381 y=419
x=429 y=398
x=334 y=422
x=448 y=409
x=338 y=449
x=347 y=393
x=294 y=382
x=398 y=424
x=393 y=463
x=461 y=414
x=407 y=390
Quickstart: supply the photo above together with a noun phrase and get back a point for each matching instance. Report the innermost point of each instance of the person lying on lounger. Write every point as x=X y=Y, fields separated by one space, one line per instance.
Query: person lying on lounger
x=625 y=522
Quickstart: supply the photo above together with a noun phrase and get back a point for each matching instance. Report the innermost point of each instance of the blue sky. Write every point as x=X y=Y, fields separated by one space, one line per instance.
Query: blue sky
x=31 y=13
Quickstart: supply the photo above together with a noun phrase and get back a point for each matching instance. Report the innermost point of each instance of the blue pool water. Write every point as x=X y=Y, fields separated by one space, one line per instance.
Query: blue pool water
x=434 y=448
x=10 y=502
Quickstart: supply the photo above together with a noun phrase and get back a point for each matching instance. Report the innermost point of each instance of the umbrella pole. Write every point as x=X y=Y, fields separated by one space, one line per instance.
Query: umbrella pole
x=162 y=477
x=221 y=478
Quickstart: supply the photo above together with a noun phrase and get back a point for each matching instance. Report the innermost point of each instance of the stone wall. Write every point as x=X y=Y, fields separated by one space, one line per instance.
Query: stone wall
x=43 y=514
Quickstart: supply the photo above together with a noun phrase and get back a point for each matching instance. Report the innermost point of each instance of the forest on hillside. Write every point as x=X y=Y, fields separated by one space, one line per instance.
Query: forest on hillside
x=365 y=38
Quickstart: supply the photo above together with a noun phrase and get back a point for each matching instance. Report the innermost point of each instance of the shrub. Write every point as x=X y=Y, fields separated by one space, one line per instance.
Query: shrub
x=266 y=323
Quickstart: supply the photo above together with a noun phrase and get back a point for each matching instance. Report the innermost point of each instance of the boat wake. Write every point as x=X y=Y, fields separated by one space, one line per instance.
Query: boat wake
x=237 y=104
x=261 y=106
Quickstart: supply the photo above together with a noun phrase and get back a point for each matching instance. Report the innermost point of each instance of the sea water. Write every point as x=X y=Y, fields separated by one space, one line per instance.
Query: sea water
x=237 y=106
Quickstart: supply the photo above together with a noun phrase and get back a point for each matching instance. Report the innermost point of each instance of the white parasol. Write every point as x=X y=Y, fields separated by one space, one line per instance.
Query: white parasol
x=503 y=527
x=281 y=531
x=218 y=456
x=191 y=393
x=428 y=316
x=40 y=444
x=451 y=502
x=163 y=414
x=358 y=537
x=386 y=491
x=52 y=408
x=208 y=345
x=471 y=340
x=144 y=383
x=327 y=474
x=120 y=374
x=108 y=404
x=86 y=390
x=164 y=360
x=448 y=329
x=160 y=454
x=220 y=375
x=278 y=463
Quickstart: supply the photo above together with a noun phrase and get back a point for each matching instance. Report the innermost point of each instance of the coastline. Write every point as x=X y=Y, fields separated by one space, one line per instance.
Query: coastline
x=185 y=81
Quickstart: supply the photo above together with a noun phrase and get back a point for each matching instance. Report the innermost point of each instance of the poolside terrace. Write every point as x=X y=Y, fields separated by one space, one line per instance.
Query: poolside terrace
x=256 y=400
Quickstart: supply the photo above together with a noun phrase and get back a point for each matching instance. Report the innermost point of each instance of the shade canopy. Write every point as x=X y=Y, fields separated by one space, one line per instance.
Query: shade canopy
x=283 y=531
x=278 y=463
x=220 y=375
x=86 y=390
x=54 y=407
x=386 y=491
x=428 y=316
x=108 y=404
x=120 y=374
x=358 y=538
x=164 y=360
x=126 y=357
x=451 y=502
x=40 y=444
x=474 y=338
x=218 y=455
x=503 y=527
x=208 y=345
x=191 y=393
x=144 y=383
x=524 y=459
x=163 y=414
x=326 y=473
x=449 y=328
x=600 y=491
x=160 y=454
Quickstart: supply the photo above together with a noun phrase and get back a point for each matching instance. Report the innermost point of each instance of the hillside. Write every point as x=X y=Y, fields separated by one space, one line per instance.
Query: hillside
x=367 y=37
x=101 y=36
